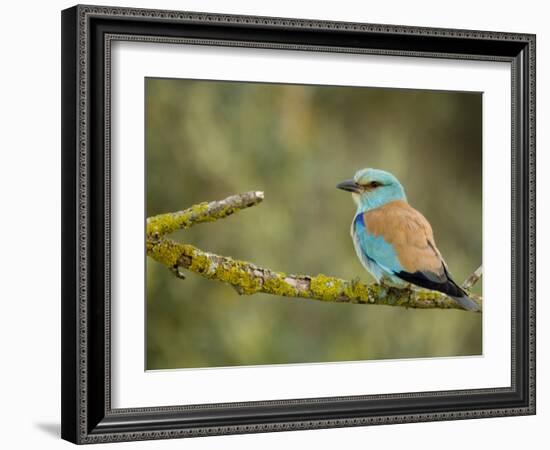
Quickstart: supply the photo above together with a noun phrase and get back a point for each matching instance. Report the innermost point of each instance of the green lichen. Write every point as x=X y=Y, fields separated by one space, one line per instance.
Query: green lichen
x=196 y=213
x=165 y=251
x=277 y=285
x=430 y=299
x=220 y=213
x=237 y=273
x=167 y=223
x=326 y=288
x=357 y=292
x=163 y=224
x=199 y=262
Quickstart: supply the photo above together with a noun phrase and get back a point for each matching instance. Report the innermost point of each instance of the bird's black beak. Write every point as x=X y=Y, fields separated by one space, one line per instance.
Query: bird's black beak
x=350 y=186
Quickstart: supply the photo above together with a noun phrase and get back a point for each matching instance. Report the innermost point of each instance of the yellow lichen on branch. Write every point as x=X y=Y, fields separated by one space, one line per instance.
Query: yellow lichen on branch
x=163 y=224
x=247 y=278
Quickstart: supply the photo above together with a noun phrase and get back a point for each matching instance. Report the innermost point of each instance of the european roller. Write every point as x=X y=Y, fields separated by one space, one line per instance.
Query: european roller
x=394 y=241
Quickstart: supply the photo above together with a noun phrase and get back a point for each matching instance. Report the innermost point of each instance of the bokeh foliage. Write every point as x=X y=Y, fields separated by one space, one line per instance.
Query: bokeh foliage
x=206 y=140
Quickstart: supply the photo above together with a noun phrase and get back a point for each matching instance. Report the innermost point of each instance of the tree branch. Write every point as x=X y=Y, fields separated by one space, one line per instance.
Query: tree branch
x=247 y=278
x=473 y=278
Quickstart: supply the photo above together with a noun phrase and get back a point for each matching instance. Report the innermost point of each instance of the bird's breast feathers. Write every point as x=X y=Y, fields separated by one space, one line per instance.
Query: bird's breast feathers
x=399 y=238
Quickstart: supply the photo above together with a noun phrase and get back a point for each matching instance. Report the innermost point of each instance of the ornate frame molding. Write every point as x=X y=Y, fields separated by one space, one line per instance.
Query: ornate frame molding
x=85 y=30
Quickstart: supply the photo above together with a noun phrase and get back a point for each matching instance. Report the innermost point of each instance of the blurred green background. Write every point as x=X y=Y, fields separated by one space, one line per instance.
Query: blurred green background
x=206 y=140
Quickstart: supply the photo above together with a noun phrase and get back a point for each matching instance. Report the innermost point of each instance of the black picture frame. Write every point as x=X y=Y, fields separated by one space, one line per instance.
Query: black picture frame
x=87 y=416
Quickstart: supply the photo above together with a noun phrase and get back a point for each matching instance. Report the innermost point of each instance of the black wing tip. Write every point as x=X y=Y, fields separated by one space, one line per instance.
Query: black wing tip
x=448 y=287
x=420 y=279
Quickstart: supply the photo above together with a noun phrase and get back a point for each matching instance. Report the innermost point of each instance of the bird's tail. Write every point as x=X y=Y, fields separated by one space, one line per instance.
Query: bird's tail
x=467 y=303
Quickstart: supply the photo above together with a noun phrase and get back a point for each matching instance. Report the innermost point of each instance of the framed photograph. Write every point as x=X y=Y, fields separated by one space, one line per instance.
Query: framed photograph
x=277 y=224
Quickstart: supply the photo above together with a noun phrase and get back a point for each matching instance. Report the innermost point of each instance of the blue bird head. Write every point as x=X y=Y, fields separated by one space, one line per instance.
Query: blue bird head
x=372 y=188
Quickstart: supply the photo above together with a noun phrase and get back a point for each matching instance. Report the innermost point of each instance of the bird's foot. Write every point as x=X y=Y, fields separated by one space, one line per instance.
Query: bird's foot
x=386 y=283
x=357 y=289
x=355 y=281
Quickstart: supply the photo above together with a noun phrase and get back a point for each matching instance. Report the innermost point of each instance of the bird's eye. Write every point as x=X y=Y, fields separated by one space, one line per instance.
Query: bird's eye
x=374 y=184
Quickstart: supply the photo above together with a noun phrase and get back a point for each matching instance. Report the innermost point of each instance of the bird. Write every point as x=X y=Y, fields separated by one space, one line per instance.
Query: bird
x=394 y=241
